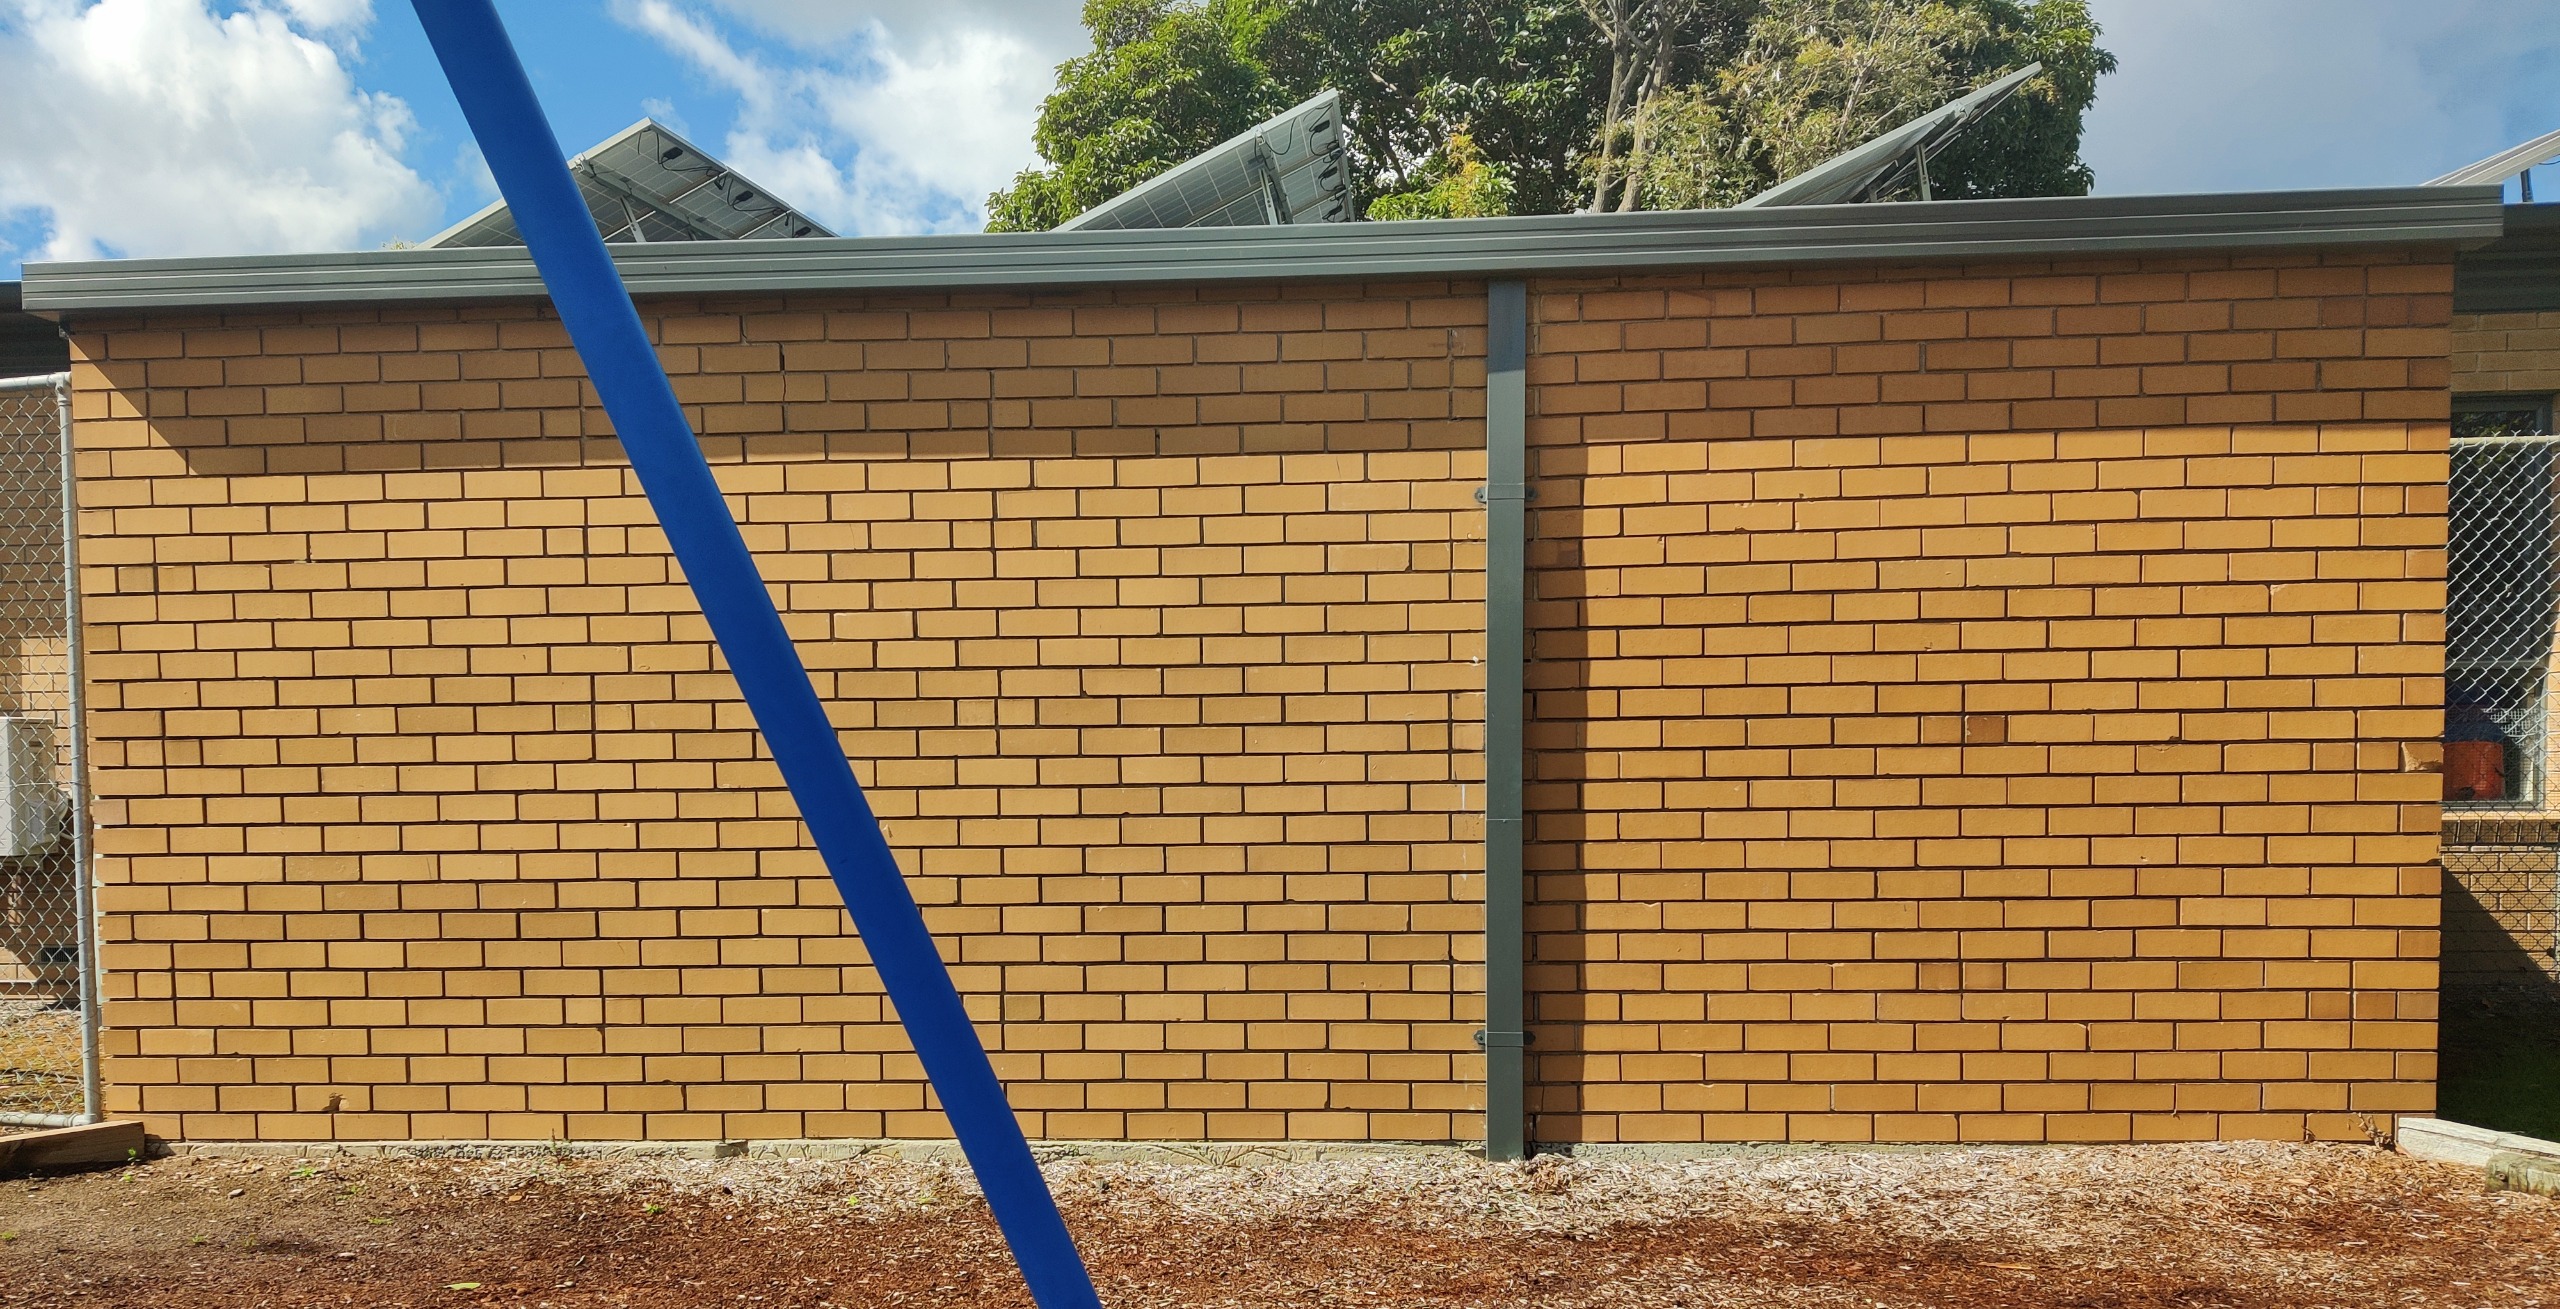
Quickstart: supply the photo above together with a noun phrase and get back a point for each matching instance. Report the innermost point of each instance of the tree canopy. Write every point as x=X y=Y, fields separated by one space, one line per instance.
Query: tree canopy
x=1465 y=108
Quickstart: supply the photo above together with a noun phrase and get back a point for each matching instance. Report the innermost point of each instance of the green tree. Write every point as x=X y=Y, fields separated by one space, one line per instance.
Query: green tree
x=1657 y=49
x=1168 y=79
x=1816 y=77
x=1819 y=76
x=1568 y=104
x=1165 y=80
x=2032 y=145
x=1520 y=79
x=1688 y=160
x=1456 y=183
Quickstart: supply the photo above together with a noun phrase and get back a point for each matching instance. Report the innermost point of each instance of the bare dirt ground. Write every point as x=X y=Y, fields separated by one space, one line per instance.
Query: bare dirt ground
x=2185 y=1227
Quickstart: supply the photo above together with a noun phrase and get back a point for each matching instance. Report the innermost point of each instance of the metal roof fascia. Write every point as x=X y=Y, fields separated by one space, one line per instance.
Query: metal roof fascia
x=1941 y=232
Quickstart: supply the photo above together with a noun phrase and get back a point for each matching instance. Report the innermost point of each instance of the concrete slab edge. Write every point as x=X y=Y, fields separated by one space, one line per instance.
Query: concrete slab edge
x=454 y=1149
x=1223 y=1154
x=2509 y=1161
x=2539 y=1174
x=1678 y=1151
x=1218 y=1153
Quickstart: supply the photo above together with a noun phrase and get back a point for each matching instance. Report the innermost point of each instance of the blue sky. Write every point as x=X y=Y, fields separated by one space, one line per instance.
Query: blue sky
x=141 y=127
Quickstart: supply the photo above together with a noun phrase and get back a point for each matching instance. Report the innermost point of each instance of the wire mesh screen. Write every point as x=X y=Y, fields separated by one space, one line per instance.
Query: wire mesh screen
x=44 y=921
x=2502 y=605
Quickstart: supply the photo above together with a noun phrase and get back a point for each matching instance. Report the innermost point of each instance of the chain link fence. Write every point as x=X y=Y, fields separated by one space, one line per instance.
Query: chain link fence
x=2498 y=1034
x=48 y=981
x=2502 y=606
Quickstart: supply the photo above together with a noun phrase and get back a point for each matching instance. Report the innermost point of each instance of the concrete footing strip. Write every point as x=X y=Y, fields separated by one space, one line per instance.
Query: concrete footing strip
x=1223 y=1153
x=1230 y=1154
x=2511 y=1162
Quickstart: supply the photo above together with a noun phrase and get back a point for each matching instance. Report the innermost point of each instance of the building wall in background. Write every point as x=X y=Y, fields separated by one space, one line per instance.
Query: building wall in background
x=2506 y=354
x=2502 y=870
x=1967 y=704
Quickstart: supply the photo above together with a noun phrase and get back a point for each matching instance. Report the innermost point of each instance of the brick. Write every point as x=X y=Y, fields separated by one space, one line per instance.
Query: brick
x=1931 y=738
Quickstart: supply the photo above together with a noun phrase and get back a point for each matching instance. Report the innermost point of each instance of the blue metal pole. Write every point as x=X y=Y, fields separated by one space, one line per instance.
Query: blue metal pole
x=525 y=157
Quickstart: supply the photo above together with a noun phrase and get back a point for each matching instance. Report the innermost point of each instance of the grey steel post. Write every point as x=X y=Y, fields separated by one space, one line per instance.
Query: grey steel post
x=1506 y=493
x=83 y=869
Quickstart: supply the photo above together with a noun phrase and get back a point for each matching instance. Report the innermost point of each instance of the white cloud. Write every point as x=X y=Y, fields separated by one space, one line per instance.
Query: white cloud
x=894 y=118
x=157 y=127
x=1053 y=29
x=329 y=14
x=2275 y=94
x=664 y=110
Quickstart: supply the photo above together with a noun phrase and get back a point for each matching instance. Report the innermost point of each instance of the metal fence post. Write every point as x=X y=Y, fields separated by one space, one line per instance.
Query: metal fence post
x=76 y=787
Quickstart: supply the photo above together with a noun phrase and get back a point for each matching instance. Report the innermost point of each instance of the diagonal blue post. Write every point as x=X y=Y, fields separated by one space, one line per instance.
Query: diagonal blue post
x=525 y=157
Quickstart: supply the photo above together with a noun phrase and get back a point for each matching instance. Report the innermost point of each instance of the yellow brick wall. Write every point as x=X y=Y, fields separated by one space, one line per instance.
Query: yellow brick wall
x=1966 y=704
x=1989 y=704
x=1152 y=622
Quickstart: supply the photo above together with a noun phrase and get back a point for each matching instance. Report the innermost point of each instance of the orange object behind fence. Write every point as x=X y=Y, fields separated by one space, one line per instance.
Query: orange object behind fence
x=2475 y=770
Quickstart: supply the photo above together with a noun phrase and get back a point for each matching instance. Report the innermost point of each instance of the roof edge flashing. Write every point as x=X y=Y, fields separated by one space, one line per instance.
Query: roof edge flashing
x=1958 y=231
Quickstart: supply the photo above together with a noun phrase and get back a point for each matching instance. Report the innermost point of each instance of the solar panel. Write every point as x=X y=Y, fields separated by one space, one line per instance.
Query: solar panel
x=2506 y=163
x=1885 y=162
x=1289 y=169
x=645 y=183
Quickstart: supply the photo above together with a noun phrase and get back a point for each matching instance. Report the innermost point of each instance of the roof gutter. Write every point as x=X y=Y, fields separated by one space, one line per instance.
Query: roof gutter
x=1958 y=231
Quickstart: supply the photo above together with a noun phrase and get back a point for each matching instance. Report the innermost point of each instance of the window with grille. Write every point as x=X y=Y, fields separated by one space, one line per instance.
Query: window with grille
x=2502 y=599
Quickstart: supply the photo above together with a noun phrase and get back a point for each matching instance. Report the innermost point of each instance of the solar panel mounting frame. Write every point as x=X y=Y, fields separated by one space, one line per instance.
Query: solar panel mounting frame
x=1289 y=168
x=1886 y=161
x=647 y=183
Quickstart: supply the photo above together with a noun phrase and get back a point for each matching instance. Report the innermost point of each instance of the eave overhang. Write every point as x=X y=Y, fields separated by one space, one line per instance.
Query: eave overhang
x=1958 y=232
x=2517 y=273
